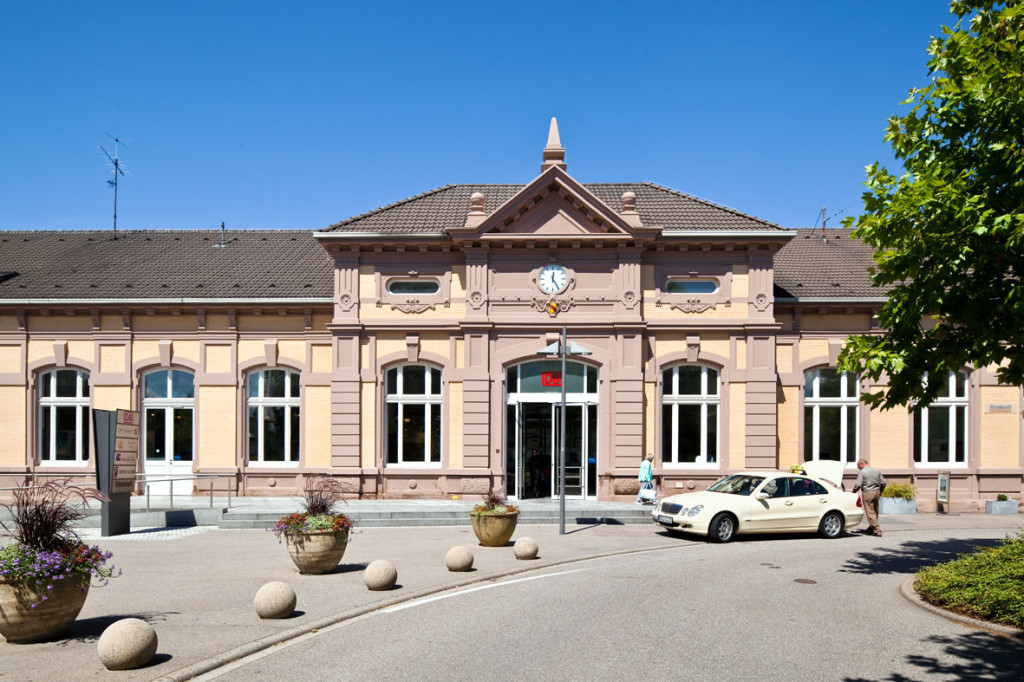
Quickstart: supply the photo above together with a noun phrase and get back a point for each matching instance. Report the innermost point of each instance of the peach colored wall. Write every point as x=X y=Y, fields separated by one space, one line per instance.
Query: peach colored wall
x=217 y=425
x=250 y=349
x=389 y=343
x=145 y=350
x=218 y=359
x=112 y=358
x=740 y=282
x=59 y=323
x=294 y=350
x=811 y=349
x=39 y=350
x=316 y=417
x=13 y=426
x=185 y=350
x=737 y=426
x=852 y=322
x=890 y=438
x=321 y=358
x=788 y=417
x=112 y=398
x=460 y=353
x=784 y=359
x=8 y=323
x=10 y=359
x=741 y=354
x=1000 y=432
x=164 y=323
x=80 y=349
x=668 y=343
x=454 y=427
x=368 y=425
x=111 y=323
x=217 y=322
x=436 y=344
x=458 y=281
x=271 y=323
x=365 y=361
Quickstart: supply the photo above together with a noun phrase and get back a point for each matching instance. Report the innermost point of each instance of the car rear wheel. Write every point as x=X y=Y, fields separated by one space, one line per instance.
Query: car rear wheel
x=831 y=525
x=722 y=528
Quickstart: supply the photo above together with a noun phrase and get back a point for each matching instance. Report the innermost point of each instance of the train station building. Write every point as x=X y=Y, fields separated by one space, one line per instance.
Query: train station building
x=408 y=350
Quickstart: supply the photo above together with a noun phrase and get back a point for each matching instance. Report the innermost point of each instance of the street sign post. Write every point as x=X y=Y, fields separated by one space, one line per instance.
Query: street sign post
x=117 y=435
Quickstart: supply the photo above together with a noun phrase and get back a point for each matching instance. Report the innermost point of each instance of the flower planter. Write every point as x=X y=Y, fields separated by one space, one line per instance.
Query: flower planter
x=897 y=505
x=21 y=624
x=494 y=530
x=318 y=552
x=1000 y=506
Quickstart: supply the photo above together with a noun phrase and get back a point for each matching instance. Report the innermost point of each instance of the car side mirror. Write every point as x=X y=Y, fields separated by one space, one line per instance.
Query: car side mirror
x=761 y=496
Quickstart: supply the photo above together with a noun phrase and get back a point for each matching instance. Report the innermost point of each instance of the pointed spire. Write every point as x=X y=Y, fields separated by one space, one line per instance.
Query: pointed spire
x=554 y=155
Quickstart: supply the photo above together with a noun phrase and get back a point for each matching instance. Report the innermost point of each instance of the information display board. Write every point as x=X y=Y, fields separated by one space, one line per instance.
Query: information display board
x=126 y=451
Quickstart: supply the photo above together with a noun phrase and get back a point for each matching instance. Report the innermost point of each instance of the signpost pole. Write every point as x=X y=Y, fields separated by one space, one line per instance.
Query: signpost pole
x=561 y=446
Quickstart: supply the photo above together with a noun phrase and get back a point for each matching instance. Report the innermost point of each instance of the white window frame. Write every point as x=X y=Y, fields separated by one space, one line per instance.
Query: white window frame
x=431 y=400
x=261 y=401
x=168 y=404
x=50 y=403
x=950 y=403
x=670 y=397
x=848 y=383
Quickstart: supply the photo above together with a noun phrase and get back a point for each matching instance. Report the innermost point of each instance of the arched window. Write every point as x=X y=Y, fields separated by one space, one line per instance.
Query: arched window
x=64 y=417
x=831 y=415
x=940 y=430
x=273 y=416
x=689 y=415
x=168 y=398
x=412 y=419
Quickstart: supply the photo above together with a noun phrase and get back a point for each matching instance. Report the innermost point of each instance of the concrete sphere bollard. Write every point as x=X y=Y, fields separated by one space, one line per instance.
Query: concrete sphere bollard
x=127 y=644
x=525 y=548
x=381 y=575
x=459 y=559
x=275 y=600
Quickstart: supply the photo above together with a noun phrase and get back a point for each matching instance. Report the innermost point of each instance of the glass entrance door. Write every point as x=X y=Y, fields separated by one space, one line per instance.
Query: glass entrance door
x=536 y=439
x=167 y=404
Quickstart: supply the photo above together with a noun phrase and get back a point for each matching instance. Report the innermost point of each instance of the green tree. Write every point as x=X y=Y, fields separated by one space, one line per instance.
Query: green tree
x=949 y=232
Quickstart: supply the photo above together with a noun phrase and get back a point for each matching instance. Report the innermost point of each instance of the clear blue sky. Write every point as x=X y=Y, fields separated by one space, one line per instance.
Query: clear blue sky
x=299 y=114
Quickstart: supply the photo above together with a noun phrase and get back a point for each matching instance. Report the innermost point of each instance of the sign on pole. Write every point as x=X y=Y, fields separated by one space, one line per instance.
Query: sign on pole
x=126 y=452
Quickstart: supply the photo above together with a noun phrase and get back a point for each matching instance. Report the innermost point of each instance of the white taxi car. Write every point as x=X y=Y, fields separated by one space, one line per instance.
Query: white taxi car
x=765 y=502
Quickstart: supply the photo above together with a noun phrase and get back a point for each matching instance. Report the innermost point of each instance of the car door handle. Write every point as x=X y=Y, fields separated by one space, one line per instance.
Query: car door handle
x=789 y=503
x=823 y=500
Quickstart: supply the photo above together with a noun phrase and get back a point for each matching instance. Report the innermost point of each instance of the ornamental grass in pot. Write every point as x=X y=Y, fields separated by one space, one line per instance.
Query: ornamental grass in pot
x=318 y=535
x=898 y=498
x=494 y=520
x=46 y=570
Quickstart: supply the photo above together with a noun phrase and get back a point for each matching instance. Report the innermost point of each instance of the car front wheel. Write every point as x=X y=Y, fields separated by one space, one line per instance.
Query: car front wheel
x=831 y=525
x=722 y=528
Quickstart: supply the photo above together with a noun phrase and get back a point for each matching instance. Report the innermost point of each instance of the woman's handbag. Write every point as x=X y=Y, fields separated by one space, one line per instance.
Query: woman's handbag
x=647 y=492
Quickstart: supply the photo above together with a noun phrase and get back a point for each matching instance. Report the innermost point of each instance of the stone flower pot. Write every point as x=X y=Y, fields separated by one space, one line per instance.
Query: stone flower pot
x=318 y=552
x=1000 y=506
x=494 y=530
x=897 y=505
x=21 y=624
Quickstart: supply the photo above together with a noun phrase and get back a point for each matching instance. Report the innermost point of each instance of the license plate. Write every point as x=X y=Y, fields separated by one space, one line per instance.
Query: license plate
x=666 y=520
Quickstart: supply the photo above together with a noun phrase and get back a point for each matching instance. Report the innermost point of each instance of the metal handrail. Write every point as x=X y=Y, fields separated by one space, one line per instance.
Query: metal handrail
x=145 y=480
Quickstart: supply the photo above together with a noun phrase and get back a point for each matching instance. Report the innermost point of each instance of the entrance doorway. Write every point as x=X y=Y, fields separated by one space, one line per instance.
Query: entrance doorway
x=167 y=405
x=533 y=431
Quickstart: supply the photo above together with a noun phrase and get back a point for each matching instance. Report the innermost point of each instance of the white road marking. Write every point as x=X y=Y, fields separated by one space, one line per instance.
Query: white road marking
x=459 y=593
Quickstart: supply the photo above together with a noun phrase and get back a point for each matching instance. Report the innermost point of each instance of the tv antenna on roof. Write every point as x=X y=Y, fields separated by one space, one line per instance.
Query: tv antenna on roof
x=117 y=171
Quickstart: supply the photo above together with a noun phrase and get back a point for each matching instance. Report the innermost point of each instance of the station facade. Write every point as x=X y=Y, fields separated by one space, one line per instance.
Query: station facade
x=407 y=351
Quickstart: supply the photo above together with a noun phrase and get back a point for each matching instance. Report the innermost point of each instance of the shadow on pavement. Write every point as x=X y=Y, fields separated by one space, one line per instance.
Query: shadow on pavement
x=90 y=629
x=910 y=557
x=979 y=656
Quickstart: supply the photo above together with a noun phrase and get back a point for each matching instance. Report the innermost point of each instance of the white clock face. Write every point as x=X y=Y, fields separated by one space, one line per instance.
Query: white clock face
x=552 y=279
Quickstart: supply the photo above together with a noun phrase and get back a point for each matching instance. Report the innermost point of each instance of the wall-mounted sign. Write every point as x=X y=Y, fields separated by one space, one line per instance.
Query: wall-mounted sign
x=550 y=378
x=126 y=451
x=999 y=408
x=942 y=492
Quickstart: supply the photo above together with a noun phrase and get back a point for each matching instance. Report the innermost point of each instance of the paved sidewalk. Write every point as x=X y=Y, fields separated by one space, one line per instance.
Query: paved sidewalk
x=196 y=586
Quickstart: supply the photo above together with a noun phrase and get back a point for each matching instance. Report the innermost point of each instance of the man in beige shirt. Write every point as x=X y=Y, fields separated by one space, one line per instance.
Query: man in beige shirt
x=870 y=483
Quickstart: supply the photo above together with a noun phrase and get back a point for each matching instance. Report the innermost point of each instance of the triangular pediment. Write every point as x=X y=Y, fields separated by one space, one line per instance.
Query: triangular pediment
x=554 y=206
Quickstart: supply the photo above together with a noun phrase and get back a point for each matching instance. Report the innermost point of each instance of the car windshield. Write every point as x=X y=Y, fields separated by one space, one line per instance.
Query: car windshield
x=737 y=484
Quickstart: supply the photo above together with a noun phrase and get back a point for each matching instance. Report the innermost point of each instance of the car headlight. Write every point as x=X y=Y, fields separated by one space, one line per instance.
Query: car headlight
x=696 y=510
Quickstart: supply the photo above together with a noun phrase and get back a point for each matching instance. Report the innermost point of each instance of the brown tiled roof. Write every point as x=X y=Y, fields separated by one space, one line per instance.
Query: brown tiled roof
x=265 y=264
x=836 y=266
x=435 y=211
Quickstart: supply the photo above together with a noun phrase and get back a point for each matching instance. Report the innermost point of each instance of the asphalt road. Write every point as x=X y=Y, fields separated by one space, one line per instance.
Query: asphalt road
x=762 y=608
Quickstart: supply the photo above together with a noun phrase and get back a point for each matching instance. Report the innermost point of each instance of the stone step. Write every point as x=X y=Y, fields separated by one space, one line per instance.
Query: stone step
x=383 y=518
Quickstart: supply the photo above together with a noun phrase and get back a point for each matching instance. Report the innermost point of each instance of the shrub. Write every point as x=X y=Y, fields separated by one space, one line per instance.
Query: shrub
x=494 y=503
x=1001 y=497
x=902 y=490
x=46 y=548
x=318 y=515
x=985 y=584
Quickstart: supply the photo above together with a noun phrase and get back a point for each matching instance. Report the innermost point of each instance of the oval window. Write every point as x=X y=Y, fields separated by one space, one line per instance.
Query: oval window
x=691 y=286
x=413 y=286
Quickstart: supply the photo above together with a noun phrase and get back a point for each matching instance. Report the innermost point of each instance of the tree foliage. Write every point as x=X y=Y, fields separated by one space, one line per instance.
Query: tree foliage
x=949 y=232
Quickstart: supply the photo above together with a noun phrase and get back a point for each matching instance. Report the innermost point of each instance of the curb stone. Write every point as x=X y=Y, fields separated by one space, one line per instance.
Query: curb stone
x=908 y=591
